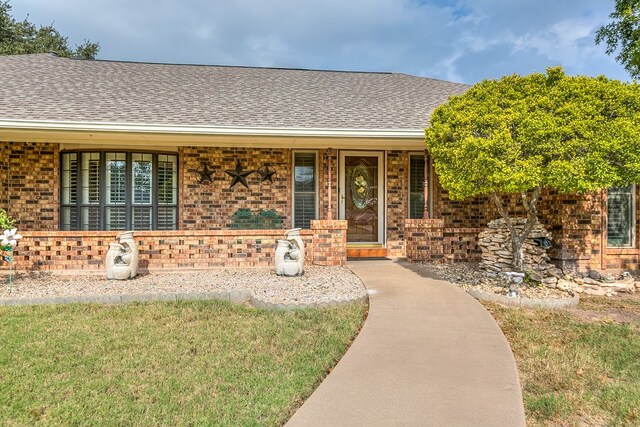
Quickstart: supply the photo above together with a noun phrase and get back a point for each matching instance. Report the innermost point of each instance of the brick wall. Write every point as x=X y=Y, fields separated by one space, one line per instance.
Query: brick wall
x=397 y=200
x=201 y=249
x=211 y=205
x=431 y=241
x=329 y=243
x=31 y=186
x=29 y=190
x=323 y=183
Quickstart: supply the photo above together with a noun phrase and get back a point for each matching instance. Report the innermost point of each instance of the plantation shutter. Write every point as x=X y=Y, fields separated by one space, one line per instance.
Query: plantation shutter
x=167 y=192
x=416 y=187
x=90 y=174
x=620 y=216
x=118 y=191
x=304 y=191
x=142 y=194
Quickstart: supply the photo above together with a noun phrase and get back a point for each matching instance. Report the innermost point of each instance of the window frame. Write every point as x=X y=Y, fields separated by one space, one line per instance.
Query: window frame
x=102 y=184
x=632 y=226
x=293 y=184
x=429 y=201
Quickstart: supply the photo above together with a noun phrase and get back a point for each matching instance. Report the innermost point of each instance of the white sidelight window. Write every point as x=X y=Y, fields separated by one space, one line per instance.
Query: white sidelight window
x=305 y=185
x=416 y=186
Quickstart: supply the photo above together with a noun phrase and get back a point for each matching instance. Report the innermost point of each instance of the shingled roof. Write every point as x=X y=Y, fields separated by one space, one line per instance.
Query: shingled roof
x=45 y=87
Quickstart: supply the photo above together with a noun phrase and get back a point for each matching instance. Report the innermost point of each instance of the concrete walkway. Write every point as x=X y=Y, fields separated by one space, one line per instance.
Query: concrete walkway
x=428 y=355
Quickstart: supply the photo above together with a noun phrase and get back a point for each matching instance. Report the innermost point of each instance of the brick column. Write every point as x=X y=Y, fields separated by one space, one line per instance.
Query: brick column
x=424 y=240
x=329 y=244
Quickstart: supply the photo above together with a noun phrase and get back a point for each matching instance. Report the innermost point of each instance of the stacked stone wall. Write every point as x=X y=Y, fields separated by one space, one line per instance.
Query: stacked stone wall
x=497 y=254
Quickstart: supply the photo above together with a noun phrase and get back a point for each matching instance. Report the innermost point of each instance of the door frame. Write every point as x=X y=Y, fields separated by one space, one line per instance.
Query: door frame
x=382 y=185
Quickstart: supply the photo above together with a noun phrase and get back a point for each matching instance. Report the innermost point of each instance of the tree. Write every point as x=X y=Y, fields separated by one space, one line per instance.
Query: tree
x=520 y=135
x=623 y=35
x=23 y=37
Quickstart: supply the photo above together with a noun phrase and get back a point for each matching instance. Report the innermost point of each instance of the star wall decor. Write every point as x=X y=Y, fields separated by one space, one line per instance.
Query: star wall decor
x=266 y=173
x=204 y=174
x=239 y=175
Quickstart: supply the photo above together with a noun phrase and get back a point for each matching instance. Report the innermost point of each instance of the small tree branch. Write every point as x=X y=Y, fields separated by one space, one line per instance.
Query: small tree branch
x=523 y=196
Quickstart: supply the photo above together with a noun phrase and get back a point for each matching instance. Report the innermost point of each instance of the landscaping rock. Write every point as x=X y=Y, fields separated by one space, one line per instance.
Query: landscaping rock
x=316 y=285
x=595 y=275
x=495 y=244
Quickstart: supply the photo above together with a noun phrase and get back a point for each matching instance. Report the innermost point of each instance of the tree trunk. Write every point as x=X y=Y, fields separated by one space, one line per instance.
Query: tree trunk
x=518 y=239
x=517 y=243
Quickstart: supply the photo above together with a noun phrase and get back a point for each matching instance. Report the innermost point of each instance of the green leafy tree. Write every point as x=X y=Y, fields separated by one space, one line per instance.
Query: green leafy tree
x=17 y=37
x=622 y=34
x=6 y=222
x=520 y=135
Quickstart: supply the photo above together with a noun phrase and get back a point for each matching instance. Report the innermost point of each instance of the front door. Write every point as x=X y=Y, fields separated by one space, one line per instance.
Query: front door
x=362 y=195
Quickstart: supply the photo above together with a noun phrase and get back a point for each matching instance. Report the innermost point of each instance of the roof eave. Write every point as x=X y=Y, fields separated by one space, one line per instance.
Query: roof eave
x=33 y=125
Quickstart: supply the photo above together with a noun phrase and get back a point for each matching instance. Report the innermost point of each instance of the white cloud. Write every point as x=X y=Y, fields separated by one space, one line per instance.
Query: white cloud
x=465 y=40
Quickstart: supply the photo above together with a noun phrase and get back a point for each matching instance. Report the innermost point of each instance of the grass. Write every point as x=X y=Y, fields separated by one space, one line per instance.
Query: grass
x=575 y=371
x=184 y=363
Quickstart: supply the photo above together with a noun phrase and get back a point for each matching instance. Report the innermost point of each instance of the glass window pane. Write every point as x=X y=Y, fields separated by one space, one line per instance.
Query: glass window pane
x=142 y=170
x=167 y=179
x=116 y=174
x=68 y=218
x=304 y=174
x=620 y=216
x=90 y=178
x=167 y=218
x=305 y=209
x=304 y=197
x=115 y=218
x=142 y=218
x=90 y=217
x=69 y=178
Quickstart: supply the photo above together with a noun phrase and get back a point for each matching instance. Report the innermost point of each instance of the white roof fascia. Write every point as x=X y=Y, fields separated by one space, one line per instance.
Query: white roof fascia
x=209 y=130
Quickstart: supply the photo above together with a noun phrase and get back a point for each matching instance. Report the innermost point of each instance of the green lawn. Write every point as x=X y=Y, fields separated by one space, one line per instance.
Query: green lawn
x=184 y=363
x=575 y=371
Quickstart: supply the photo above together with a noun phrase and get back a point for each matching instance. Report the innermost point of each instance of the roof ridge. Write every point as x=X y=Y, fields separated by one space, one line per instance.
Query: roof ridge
x=120 y=61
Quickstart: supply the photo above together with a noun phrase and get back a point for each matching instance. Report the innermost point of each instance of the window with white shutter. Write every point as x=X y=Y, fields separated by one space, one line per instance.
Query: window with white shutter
x=416 y=186
x=118 y=191
x=621 y=216
x=304 y=189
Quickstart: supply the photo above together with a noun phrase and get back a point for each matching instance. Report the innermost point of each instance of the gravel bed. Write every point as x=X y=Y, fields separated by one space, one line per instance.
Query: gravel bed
x=317 y=285
x=467 y=276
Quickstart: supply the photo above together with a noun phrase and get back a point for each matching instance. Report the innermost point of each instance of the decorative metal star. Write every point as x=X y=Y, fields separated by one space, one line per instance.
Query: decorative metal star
x=205 y=174
x=266 y=173
x=239 y=175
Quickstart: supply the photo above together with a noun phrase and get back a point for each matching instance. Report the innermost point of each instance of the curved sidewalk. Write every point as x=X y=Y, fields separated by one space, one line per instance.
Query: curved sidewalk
x=428 y=355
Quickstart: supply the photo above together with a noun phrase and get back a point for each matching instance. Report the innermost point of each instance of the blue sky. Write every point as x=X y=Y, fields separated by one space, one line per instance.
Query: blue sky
x=463 y=40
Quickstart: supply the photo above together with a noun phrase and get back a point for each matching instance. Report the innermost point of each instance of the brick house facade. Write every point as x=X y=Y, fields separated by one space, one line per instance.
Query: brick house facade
x=346 y=151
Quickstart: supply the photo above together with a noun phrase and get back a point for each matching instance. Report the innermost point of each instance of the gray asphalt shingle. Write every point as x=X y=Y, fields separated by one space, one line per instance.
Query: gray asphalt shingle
x=46 y=87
